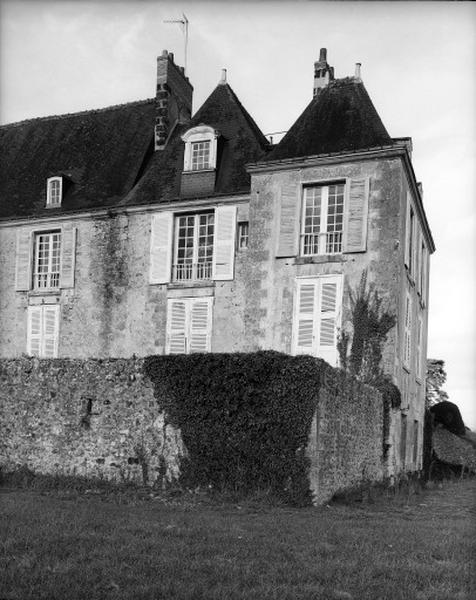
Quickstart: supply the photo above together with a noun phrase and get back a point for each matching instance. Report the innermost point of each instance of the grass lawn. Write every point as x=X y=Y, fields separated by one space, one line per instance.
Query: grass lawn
x=60 y=545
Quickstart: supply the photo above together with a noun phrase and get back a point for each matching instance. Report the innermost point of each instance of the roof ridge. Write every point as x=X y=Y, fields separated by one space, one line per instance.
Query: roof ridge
x=79 y=113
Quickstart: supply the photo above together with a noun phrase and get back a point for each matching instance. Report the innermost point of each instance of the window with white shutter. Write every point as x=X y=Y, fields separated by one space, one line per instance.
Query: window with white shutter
x=317 y=317
x=322 y=222
x=407 y=338
x=189 y=325
x=43 y=331
x=418 y=358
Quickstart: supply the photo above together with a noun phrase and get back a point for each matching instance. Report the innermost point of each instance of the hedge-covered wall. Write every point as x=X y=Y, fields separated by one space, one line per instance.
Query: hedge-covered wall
x=93 y=418
x=236 y=422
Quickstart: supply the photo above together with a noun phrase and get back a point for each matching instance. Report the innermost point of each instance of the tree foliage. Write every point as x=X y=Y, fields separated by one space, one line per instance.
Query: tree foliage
x=435 y=379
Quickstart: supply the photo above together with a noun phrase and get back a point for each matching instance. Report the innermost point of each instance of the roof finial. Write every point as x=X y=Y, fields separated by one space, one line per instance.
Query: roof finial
x=223 y=77
x=357 y=70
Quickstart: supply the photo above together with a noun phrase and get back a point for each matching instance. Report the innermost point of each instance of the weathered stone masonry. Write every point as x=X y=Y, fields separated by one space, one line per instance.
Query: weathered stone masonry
x=100 y=419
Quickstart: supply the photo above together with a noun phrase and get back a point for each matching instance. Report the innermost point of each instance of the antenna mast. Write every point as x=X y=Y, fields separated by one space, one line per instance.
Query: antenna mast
x=184 y=23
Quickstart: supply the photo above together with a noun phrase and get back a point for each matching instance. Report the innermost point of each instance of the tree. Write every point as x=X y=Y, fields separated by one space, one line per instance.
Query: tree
x=435 y=379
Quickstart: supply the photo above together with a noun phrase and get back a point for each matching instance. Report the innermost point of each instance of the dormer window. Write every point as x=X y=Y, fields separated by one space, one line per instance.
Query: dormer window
x=200 y=148
x=54 y=191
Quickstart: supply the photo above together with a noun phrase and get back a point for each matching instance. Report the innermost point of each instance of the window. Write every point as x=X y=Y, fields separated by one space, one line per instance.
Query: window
x=47 y=260
x=42 y=331
x=200 y=155
x=200 y=148
x=415 y=444
x=411 y=235
x=194 y=236
x=424 y=271
x=54 y=191
x=403 y=440
x=407 y=338
x=243 y=234
x=419 y=348
x=189 y=322
x=322 y=219
x=317 y=317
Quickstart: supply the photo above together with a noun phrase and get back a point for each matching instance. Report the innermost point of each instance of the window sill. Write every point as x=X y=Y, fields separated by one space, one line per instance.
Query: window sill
x=318 y=259
x=190 y=172
x=180 y=285
x=45 y=292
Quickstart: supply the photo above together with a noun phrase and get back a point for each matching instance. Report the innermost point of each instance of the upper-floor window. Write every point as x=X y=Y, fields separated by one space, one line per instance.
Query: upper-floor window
x=200 y=148
x=54 y=191
x=47 y=260
x=243 y=234
x=193 y=252
x=322 y=222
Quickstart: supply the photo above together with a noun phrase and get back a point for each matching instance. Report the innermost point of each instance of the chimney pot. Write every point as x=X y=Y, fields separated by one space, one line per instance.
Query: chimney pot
x=223 y=77
x=323 y=55
x=165 y=53
x=357 y=70
x=171 y=56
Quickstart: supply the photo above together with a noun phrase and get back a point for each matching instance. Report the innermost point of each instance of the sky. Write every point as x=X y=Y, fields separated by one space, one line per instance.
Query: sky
x=418 y=65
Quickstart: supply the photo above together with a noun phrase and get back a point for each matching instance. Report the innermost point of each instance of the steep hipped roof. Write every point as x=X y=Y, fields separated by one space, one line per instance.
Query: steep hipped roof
x=341 y=117
x=98 y=152
x=240 y=142
x=106 y=156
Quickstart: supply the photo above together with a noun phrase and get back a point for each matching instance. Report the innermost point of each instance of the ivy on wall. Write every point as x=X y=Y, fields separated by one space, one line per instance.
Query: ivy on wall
x=245 y=418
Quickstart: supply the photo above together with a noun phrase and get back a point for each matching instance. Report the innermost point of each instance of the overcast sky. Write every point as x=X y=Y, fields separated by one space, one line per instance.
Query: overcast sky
x=418 y=65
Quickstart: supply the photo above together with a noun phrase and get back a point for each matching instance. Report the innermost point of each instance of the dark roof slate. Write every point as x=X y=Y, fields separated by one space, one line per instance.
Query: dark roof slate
x=98 y=152
x=453 y=449
x=341 y=117
x=240 y=142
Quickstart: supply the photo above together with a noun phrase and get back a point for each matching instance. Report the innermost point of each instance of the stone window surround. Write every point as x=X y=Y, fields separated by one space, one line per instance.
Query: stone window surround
x=201 y=133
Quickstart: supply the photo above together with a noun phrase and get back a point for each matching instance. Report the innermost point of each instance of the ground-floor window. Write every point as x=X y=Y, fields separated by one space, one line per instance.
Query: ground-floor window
x=317 y=314
x=189 y=325
x=43 y=331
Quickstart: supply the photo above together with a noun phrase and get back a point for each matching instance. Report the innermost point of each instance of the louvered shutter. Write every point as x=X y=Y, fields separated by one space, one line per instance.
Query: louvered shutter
x=224 y=243
x=407 y=233
x=288 y=221
x=161 y=247
x=34 y=330
x=329 y=307
x=305 y=317
x=176 y=327
x=356 y=215
x=50 y=331
x=200 y=325
x=68 y=252
x=23 y=260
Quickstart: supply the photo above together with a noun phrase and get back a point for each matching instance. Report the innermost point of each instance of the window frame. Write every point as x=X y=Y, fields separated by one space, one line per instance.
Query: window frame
x=54 y=200
x=243 y=235
x=195 y=264
x=51 y=275
x=196 y=135
x=407 y=332
x=324 y=234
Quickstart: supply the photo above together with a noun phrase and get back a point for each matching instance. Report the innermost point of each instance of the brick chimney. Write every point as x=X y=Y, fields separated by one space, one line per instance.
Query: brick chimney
x=323 y=73
x=173 y=99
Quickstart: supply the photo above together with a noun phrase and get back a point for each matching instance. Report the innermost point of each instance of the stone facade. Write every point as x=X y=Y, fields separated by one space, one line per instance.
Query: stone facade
x=96 y=419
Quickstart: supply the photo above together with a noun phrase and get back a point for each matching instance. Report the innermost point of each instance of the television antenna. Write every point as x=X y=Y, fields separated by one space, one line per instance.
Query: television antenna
x=183 y=22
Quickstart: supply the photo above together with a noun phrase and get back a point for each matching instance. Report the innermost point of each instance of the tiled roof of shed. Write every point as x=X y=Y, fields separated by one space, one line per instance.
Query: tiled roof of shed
x=453 y=449
x=341 y=117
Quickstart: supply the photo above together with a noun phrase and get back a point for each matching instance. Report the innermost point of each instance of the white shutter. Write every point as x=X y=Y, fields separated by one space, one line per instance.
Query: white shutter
x=161 y=247
x=23 y=260
x=50 y=331
x=356 y=215
x=305 y=317
x=288 y=221
x=176 y=327
x=34 y=329
x=224 y=243
x=68 y=251
x=329 y=312
x=200 y=325
x=407 y=232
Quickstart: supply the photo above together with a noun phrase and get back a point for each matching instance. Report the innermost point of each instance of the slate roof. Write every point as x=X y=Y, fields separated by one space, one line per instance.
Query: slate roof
x=104 y=153
x=99 y=152
x=341 y=117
